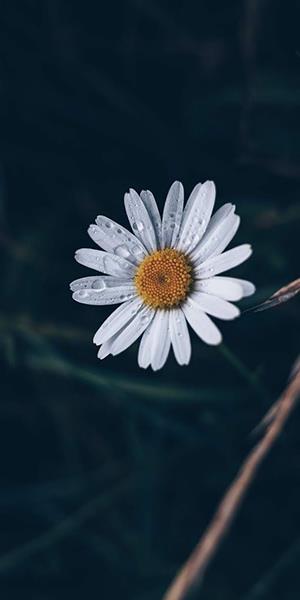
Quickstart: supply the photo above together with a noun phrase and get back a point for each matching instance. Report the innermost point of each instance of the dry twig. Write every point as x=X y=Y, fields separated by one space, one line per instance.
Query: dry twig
x=283 y=295
x=194 y=569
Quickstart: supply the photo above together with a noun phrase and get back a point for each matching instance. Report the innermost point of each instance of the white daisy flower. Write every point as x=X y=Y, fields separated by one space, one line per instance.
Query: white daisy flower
x=165 y=275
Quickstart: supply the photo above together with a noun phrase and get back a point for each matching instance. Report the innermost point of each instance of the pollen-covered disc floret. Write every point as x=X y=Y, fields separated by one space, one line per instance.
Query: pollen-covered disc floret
x=163 y=278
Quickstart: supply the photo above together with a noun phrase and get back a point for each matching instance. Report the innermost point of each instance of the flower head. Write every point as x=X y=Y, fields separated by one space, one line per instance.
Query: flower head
x=164 y=275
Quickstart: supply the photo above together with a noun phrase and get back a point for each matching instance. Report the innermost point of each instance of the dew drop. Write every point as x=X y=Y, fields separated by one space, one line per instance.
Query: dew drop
x=94 y=232
x=122 y=251
x=136 y=250
x=144 y=318
x=98 y=284
x=83 y=294
x=138 y=226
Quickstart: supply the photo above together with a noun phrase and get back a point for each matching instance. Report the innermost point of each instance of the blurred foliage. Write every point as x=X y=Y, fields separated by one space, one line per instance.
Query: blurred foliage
x=110 y=474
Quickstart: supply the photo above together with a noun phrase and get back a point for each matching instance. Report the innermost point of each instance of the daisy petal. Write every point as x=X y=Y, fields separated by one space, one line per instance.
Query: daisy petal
x=223 y=262
x=113 y=295
x=151 y=206
x=116 y=239
x=233 y=225
x=105 y=349
x=172 y=214
x=133 y=330
x=180 y=336
x=201 y=323
x=247 y=287
x=145 y=349
x=220 y=286
x=215 y=306
x=98 y=283
x=139 y=220
x=160 y=340
x=196 y=216
x=190 y=204
x=104 y=262
x=212 y=231
x=117 y=320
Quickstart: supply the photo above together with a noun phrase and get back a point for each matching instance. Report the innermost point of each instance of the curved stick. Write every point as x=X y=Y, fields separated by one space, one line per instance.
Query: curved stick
x=194 y=569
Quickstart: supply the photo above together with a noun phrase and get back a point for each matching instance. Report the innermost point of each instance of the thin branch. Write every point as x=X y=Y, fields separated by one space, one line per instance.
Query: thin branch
x=195 y=568
x=283 y=295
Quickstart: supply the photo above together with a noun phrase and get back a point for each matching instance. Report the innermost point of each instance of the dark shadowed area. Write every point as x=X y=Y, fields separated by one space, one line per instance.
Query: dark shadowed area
x=109 y=474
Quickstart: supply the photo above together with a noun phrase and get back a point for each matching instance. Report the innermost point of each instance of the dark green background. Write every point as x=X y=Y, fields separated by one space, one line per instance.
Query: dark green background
x=109 y=474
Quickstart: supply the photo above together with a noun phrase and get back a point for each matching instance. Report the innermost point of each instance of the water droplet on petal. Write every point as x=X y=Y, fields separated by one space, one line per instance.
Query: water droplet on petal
x=144 y=318
x=99 y=284
x=138 y=226
x=136 y=250
x=122 y=251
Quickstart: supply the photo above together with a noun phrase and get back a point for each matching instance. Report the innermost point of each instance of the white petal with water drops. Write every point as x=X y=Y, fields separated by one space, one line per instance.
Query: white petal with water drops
x=104 y=262
x=118 y=240
x=133 y=330
x=180 y=337
x=219 y=223
x=113 y=295
x=196 y=217
x=189 y=205
x=152 y=208
x=118 y=319
x=223 y=262
x=139 y=220
x=233 y=225
x=172 y=214
x=98 y=283
x=105 y=349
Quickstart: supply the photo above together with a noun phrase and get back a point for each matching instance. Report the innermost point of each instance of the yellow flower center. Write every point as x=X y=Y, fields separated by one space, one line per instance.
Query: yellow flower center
x=163 y=278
